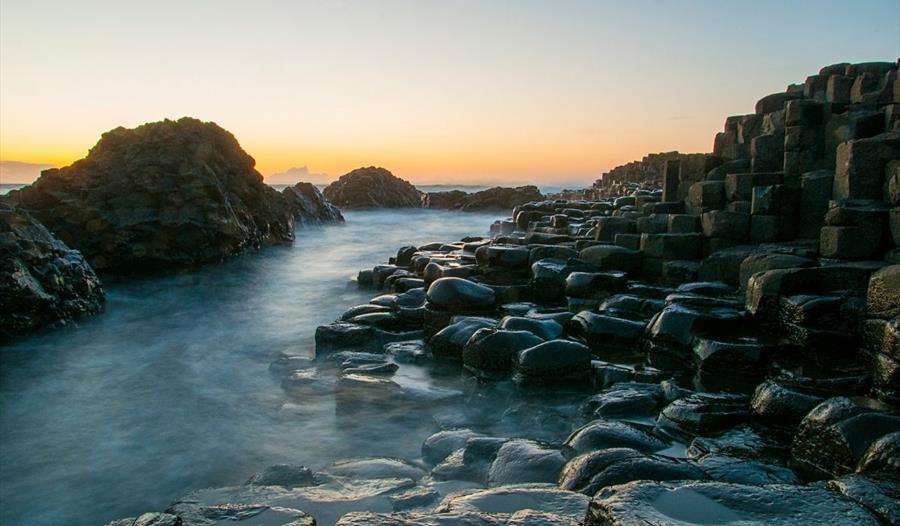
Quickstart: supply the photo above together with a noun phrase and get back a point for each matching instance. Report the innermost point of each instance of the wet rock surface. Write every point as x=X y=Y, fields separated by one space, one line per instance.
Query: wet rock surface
x=675 y=346
x=44 y=282
x=716 y=502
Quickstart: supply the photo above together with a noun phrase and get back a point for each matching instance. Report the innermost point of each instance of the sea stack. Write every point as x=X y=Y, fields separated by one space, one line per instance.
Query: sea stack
x=163 y=195
x=372 y=187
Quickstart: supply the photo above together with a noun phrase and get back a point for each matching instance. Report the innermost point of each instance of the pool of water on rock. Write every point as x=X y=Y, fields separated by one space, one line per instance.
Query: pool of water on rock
x=171 y=388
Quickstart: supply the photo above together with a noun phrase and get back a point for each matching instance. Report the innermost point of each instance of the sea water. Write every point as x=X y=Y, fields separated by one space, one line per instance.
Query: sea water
x=170 y=389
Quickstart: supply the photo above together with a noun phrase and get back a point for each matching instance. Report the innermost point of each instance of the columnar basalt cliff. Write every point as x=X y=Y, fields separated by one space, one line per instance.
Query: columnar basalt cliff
x=649 y=171
x=372 y=187
x=42 y=281
x=743 y=305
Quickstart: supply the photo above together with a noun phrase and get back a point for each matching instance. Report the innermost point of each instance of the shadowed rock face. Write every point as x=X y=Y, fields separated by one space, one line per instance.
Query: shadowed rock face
x=372 y=187
x=163 y=195
x=42 y=281
x=309 y=206
x=497 y=198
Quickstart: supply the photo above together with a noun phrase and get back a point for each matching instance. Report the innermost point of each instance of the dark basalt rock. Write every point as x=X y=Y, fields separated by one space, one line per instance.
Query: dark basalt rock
x=442 y=444
x=372 y=187
x=519 y=461
x=670 y=334
x=742 y=441
x=595 y=285
x=593 y=471
x=607 y=336
x=743 y=471
x=309 y=206
x=556 y=360
x=42 y=281
x=160 y=196
x=704 y=413
x=625 y=399
x=510 y=499
x=543 y=329
x=449 y=341
x=647 y=502
x=878 y=496
x=834 y=437
x=548 y=277
x=472 y=462
x=457 y=294
x=603 y=434
x=780 y=406
x=489 y=352
x=496 y=198
x=882 y=458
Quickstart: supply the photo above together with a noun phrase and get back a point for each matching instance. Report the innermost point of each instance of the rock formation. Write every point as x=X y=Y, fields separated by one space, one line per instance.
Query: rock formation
x=163 y=195
x=496 y=198
x=309 y=206
x=744 y=304
x=372 y=187
x=42 y=281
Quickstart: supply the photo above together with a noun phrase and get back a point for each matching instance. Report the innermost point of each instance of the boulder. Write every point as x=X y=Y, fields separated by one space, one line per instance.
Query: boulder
x=372 y=187
x=510 y=499
x=489 y=352
x=555 y=360
x=883 y=297
x=625 y=400
x=704 y=413
x=160 y=196
x=833 y=438
x=43 y=282
x=457 y=294
x=591 y=472
x=606 y=335
x=543 y=329
x=450 y=341
x=595 y=285
x=612 y=257
x=519 y=461
x=309 y=206
x=604 y=434
x=442 y=444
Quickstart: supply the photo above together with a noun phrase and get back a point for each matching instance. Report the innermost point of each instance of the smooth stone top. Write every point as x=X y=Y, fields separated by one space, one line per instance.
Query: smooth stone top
x=460 y=294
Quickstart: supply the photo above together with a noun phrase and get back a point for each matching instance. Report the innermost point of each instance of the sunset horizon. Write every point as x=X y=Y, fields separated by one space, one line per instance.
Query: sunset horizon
x=448 y=97
x=449 y=262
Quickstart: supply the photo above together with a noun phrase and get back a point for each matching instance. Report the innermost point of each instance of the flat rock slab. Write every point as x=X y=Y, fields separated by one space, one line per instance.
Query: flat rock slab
x=510 y=499
x=646 y=502
x=522 y=518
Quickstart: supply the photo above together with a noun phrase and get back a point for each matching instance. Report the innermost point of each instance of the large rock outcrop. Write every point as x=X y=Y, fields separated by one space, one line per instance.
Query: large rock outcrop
x=309 y=206
x=42 y=281
x=496 y=198
x=372 y=187
x=163 y=195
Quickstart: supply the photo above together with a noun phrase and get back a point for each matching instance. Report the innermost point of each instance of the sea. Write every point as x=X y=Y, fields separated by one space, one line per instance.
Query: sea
x=173 y=387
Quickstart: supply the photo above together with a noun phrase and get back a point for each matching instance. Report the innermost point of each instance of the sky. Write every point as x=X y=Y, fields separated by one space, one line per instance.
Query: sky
x=486 y=92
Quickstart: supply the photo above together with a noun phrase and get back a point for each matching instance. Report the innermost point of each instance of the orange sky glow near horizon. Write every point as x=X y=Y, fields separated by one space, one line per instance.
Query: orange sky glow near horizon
x=549 y=93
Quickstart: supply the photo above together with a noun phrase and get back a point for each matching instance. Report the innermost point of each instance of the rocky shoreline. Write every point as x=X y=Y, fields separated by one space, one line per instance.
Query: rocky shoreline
x=703 y=338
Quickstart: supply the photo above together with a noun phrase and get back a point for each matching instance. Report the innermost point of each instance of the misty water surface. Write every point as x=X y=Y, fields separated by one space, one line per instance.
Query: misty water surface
x=170 y=389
